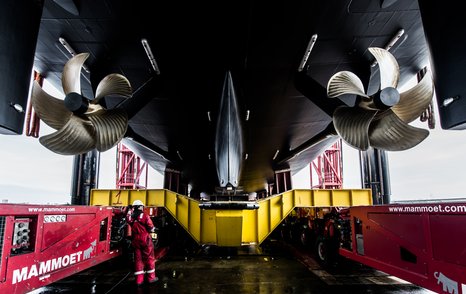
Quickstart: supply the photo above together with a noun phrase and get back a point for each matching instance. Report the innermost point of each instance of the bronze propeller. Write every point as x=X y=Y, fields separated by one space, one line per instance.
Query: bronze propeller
x=82 y=124
x=381 y=120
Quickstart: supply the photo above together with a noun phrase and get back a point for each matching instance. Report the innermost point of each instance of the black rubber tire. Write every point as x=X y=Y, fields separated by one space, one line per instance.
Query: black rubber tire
x=321 y=250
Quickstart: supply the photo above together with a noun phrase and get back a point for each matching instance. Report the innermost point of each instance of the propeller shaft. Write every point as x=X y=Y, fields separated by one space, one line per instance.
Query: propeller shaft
x=386 y=98
x=76 y=103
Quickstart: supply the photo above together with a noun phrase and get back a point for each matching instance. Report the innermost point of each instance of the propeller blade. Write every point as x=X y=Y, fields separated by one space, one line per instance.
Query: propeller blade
x=415 y=100
x=71 y=77
x=76 y=137
x=345 y=82
x=352 y=124
x=113 y=84
x=50 y=109
x=110 y=127
x=388 y=67
x=388 y=132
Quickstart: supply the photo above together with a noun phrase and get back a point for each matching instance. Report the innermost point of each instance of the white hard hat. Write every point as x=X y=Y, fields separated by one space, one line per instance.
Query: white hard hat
x=138 y=203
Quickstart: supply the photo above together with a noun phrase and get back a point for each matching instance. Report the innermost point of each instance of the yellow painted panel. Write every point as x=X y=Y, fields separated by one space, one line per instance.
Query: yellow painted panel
x=229 y=231
x=304 y=198
x=156 y=198
x=276 y=204
x=322 y=198
x=182 y=211
x=288 y=203
x=208 y=227
x=171 y=202
x=100 y=197
x=250 y=227
x=341 y=198
x=137 y=195
x=361 y=197
x=227 y=227
x=195 y=219
x=225 y=213
x=109 y=197
x=263 y=219
x=120 y=197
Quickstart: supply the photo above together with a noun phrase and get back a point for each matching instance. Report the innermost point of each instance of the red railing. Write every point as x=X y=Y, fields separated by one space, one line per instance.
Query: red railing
x=328 y=169
x=130 y=169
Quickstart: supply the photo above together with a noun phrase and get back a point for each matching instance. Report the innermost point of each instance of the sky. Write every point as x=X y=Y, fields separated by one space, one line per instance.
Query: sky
x=435 y=169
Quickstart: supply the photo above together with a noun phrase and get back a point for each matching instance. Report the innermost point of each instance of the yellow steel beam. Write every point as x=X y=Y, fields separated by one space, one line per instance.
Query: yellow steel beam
x=223 y=227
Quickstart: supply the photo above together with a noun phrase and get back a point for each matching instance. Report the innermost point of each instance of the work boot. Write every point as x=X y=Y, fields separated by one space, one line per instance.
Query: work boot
x=139 y=280
x=151 y=278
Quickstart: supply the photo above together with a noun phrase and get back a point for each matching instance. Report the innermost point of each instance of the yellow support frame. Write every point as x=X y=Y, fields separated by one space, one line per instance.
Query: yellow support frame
x=228 y=227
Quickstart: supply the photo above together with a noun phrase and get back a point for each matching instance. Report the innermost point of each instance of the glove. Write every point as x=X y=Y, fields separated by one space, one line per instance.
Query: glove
x=153 y=236
x=127 y=209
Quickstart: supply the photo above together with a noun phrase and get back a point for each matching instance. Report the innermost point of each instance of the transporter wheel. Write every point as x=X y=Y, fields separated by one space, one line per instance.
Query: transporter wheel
x=304 y=237
x=285 y=233
x=322 y=250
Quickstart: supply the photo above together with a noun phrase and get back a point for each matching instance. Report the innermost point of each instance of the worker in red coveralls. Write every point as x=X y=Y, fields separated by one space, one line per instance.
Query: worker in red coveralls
x=141 y=226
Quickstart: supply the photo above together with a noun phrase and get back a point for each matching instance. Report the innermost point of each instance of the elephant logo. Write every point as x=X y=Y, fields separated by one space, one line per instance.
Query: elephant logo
x=88 y=251
x=448 y=284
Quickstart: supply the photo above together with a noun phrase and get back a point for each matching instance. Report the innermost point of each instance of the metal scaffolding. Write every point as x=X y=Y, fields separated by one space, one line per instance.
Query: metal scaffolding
x=328 y=169
x=129 y=169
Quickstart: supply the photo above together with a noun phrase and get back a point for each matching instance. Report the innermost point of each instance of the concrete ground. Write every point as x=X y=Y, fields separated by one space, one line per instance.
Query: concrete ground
x=271 y=268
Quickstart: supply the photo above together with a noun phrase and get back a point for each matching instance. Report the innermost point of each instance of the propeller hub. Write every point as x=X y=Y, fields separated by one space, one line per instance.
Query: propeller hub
x=76 y=103
x=386 y=98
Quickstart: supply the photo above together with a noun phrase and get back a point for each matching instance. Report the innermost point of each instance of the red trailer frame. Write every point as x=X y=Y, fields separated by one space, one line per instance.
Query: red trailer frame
x=41 y=244
x=420 y=243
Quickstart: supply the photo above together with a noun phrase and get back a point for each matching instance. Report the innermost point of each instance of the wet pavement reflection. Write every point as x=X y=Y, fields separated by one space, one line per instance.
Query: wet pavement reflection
x=271 y=268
